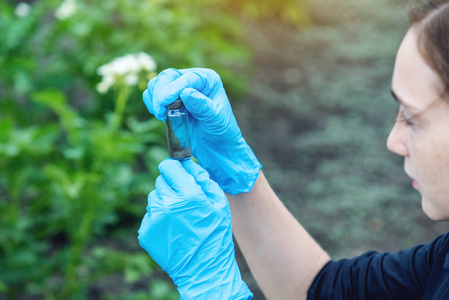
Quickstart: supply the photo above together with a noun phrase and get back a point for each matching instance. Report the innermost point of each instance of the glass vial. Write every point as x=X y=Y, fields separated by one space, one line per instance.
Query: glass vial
x=177 y=131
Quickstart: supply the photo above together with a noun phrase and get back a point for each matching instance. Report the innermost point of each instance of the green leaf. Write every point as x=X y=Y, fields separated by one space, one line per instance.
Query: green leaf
x=6 y=126
x=23 y=83
x=138 y=266
x=163 y=290
x=3 y=287
x=74 y=153
x=51 y=98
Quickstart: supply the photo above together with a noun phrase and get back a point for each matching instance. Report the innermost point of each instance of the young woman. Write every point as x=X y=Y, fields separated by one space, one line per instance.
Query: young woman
x=187 y=227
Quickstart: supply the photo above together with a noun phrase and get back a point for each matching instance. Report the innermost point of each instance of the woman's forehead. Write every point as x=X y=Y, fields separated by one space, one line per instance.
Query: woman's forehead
x=414 y=81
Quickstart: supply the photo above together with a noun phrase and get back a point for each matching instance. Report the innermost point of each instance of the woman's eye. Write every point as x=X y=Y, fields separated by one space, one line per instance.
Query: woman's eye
x=408 y=122
x=403 y=119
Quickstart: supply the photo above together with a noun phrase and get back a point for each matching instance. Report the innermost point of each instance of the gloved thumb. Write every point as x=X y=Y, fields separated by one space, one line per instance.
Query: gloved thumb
x=200 y=106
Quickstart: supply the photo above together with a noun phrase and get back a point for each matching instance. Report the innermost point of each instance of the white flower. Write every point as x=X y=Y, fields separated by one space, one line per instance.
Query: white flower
x=125 y=64
x=66 y=9
x=105 y=84
x=146 y=61
x=22 y=9
x=103 y=87
x=131 y=79
x=125 y=69
x=109 y=79
x=105 y=70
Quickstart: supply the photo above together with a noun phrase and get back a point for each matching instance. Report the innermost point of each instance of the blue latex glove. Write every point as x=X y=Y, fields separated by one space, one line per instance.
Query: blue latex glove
x=187 y=231
x=215 y=137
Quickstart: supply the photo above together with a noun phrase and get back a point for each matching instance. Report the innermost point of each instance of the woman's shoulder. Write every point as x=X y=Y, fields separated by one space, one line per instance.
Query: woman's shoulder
x=438 y=248
x=441 y=241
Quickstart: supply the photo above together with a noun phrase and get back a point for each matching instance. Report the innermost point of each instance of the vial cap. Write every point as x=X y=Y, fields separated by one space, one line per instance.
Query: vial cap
x=175 y=105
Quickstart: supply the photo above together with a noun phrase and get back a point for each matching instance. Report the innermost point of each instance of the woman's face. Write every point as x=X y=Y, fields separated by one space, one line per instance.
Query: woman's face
x=421 y=134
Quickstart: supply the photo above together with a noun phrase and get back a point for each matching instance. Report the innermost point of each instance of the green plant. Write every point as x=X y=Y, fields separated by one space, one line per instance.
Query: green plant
x=78 y=159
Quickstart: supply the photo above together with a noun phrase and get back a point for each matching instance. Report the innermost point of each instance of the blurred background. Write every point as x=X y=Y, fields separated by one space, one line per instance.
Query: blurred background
x=309 y=83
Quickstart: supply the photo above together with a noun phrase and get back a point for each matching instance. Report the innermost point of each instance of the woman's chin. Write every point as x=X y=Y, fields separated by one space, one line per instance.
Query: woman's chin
x=434 y=213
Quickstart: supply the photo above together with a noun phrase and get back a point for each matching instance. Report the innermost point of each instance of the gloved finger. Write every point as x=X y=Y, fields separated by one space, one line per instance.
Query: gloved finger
x=163 y=188
x=148 y=95
x=171 y=92
x=162 y=80
x=148 y=100
x=197 y=104
x=155 y=201
x=201 y=176
x=165 y=77
x=144 y=226
x=177 y=178
x=211 y=81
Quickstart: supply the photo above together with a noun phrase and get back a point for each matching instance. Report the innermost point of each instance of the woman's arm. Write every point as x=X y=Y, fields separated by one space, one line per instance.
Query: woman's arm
x=283 y=258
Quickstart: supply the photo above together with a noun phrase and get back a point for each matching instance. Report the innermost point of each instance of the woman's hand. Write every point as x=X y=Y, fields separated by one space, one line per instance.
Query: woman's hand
x=187 y=231
x=216 y=139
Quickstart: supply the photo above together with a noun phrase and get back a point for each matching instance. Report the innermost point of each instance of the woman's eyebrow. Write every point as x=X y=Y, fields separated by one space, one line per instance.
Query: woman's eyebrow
x=399 y=100
x=394 y=96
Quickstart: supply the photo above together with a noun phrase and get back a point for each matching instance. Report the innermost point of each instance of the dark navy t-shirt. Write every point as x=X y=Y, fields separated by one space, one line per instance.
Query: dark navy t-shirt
x=421 y=272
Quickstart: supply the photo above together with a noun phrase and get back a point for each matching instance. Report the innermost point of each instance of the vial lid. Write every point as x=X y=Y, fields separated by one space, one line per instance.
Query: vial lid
x=175 y=105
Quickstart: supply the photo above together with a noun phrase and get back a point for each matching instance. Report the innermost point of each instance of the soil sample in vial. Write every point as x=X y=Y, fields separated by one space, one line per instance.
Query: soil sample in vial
x=177 y=131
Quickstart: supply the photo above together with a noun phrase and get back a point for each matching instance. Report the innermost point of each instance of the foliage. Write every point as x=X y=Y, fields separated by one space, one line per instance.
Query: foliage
x=76 y=164
x=292 y=12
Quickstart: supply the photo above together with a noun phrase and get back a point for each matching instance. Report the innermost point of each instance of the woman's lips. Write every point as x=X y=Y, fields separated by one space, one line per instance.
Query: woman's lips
x=415 y=183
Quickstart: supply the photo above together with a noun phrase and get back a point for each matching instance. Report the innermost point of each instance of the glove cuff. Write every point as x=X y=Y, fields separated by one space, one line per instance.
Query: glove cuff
x=221 y=280
x=237 y=290
x=243 y=295
x=238 y=167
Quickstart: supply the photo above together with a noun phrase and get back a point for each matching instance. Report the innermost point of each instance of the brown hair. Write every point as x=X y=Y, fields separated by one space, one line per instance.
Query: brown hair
x=432 y=17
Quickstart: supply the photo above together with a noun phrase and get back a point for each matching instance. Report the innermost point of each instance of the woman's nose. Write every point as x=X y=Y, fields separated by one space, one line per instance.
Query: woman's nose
x=396 y=141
